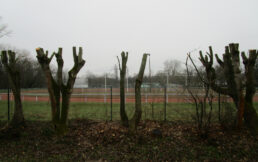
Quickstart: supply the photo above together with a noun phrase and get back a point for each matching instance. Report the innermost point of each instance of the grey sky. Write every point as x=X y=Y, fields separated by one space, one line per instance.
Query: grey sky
x=167 y=29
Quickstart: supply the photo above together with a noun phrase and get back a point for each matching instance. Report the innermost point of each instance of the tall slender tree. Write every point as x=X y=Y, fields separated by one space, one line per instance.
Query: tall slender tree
x=134 y=122
x=122 y=68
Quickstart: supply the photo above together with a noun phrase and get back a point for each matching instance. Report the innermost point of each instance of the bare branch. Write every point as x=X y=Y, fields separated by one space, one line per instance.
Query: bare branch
x=60 y=64
x=75 y=55
x=210 y=72
x=78 y=64
x=4 y=57
x=199 y=75
x=221 y=63
x=118 y=63
x=245 y=59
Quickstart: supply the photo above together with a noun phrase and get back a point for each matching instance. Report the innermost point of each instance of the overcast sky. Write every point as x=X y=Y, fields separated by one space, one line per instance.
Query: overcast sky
x=167 y=29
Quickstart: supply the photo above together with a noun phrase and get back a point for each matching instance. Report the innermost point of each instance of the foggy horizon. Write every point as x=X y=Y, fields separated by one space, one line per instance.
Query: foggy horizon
x=165 y=29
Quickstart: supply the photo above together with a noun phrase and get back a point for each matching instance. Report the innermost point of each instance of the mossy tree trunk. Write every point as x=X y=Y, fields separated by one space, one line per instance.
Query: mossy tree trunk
x=133 y=123
x=57 y=88
x=122 y=68
x=235 y=86
x=9 y=62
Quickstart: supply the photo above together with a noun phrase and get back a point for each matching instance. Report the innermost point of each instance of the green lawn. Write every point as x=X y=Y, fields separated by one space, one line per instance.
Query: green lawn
x=100 y=111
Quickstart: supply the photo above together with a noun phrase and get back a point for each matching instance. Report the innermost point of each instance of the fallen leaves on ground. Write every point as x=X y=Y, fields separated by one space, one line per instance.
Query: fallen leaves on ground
x=109 y=141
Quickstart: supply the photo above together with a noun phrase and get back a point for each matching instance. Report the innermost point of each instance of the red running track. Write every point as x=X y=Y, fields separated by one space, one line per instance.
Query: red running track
x=116 y=99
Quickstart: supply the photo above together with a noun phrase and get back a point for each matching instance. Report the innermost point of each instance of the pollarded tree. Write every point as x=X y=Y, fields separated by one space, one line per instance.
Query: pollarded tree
x=9 y=61
x=235 y=83
x=56 y=87
x=132 y=123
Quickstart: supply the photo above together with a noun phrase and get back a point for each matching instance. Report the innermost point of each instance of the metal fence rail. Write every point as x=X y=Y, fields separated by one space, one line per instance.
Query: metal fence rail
x=100 y=95
x=157 y=104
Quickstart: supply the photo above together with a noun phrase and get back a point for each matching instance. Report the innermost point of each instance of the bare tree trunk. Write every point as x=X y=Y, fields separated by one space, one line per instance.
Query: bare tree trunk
x=57 y=87
x=18 y=118
x=62 y=127
x=233 y=50
x=133 y=123
x=9 y=63
x=123 y=115
x=240 y=112
x=250 y=114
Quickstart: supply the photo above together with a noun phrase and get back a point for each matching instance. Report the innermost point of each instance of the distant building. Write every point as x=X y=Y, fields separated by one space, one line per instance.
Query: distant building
x=81 y=83
x=99 y=82
x=152 y=85
x=174 y=85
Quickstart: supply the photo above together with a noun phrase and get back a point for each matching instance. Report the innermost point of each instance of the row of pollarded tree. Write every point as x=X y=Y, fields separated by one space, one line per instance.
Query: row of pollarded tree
x=60 y=92
x=56 y=87
x=241 y=88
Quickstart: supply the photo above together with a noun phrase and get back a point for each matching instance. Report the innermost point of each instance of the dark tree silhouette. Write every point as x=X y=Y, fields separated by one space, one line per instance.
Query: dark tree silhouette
x=235 y=83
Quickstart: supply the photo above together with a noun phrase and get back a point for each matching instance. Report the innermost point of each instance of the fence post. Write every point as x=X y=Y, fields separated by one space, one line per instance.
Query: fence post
x=8 y=103
x=111 y=100
x=152 y=110
x=165 y=103
x=219 y=106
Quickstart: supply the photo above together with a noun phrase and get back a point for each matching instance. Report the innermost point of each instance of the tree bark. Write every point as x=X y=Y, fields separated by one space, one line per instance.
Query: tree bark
x=123 y=115
x=133 y=123
x=250 y=114
x=9 y=63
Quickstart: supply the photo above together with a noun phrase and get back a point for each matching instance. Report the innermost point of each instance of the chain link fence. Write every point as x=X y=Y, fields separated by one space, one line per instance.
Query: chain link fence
x=163 y=104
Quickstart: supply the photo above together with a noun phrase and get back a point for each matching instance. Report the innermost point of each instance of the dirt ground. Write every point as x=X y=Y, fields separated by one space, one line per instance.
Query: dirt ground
x=109 y=141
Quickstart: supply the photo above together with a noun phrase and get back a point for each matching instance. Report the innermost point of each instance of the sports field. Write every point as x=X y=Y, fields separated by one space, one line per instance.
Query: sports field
x=101 y=111
x=96 y=104
x=101 y=95
x=41 y=111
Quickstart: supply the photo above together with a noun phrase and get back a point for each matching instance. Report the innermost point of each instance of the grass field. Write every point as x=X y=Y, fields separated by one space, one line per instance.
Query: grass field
x=100 y=111
x=41 y=111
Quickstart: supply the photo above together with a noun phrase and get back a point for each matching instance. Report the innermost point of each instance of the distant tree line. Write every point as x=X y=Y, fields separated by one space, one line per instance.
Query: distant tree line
x=173 y=73
x=32 y=76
